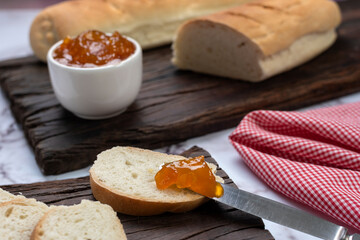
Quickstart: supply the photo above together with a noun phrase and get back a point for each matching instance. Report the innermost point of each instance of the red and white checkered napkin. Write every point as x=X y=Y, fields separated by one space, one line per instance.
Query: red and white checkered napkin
x=312 y=157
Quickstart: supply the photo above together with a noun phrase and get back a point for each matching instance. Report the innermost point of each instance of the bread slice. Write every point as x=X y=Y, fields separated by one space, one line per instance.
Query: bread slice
x=18 y=218
x=6 y=196
x=123 y=177
x=87 y=220
x=257 y=40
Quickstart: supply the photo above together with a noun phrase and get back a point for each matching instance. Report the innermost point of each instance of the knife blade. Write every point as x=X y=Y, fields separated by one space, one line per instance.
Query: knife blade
x=284 y=215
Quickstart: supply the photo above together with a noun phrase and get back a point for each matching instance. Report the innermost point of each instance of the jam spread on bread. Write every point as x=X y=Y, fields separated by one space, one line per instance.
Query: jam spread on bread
x=193 y=173
x=94 y=48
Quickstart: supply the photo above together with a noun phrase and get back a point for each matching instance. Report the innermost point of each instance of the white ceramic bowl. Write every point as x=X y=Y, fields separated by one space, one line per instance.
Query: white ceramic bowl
x=99 y=92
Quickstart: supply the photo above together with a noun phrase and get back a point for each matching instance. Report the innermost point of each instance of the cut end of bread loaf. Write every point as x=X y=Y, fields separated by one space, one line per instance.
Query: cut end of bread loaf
x=256 y=40
x=87 y=220
x=220 y=51
x=207 y=47
x=123 y=177
x=19 y=217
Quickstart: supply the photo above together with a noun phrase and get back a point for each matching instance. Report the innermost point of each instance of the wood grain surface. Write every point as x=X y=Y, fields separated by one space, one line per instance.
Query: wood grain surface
x=173 y=105
x=210 y=221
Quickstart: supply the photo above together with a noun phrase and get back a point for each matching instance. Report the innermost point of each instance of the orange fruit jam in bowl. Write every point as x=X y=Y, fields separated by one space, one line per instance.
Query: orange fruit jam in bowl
x=94 y=48
x=96 y=75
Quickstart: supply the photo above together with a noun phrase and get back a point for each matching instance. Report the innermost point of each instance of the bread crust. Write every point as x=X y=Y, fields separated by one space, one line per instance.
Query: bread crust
x=273 y=25
x=37 y=232
x=257 y=40
x=151 y=22
x=137 y=206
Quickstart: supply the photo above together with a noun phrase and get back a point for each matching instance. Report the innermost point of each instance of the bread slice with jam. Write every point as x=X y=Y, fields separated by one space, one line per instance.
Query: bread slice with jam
x=123 y=177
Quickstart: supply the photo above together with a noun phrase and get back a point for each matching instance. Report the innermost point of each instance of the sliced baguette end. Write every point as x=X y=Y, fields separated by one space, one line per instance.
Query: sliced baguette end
x=80 y=221
x=146 y=199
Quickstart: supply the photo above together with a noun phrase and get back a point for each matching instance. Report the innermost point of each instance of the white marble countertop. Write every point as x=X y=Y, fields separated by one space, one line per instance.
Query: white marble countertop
x=17 y=162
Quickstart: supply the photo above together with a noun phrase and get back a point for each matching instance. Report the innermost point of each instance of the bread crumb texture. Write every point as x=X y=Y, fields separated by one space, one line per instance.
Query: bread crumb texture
x=18 y=218
x=87 y=220
x=6 y=196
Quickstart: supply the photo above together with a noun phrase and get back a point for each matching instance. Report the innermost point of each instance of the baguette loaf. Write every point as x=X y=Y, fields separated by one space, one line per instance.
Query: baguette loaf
x=87 y=220
x=18 y=218
x=150 y=22
x=123 y=177
x=257 y=40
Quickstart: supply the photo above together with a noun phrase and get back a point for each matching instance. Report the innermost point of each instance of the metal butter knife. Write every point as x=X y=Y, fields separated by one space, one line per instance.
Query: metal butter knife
x=283 y=214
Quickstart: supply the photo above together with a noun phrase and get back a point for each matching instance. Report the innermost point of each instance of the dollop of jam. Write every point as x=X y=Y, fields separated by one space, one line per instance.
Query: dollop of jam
x=94 y=48
x=193 y=173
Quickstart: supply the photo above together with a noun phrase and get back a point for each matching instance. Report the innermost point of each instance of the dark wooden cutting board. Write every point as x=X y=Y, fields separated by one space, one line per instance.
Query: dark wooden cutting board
x=173 y=105
x=210 y=221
